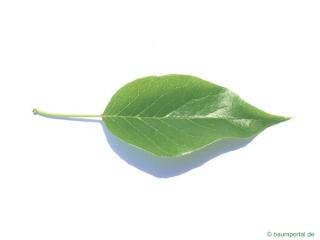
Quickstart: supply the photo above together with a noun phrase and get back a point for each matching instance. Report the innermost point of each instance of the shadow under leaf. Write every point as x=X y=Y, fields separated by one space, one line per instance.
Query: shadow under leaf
x=169 y=167
x=164 y=167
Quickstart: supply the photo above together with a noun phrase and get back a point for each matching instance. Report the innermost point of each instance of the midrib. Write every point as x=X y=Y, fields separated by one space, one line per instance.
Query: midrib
x=177 y=117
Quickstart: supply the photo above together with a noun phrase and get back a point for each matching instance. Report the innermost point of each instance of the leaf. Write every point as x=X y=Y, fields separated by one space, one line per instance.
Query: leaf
x=174 y=115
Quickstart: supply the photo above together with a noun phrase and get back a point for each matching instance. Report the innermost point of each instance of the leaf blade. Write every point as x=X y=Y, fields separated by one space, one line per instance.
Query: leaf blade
x=173 y=115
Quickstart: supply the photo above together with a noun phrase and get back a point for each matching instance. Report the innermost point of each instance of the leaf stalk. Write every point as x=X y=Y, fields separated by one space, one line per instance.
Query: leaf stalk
x=62 y=115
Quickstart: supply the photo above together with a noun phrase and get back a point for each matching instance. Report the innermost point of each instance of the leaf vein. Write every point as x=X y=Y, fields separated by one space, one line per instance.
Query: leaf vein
x=159 y=132
x=177 y=129
x=146 y=136
x=190 y=101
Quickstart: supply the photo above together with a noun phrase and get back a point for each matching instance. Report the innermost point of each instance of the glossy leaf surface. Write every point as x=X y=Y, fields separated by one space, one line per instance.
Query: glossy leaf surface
x=173 y=115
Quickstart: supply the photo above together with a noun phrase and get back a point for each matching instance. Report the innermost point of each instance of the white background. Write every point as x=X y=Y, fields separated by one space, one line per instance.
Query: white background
x=65 y=179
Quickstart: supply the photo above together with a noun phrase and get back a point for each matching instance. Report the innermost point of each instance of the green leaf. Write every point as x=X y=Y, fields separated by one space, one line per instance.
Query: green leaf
x=173 y=115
